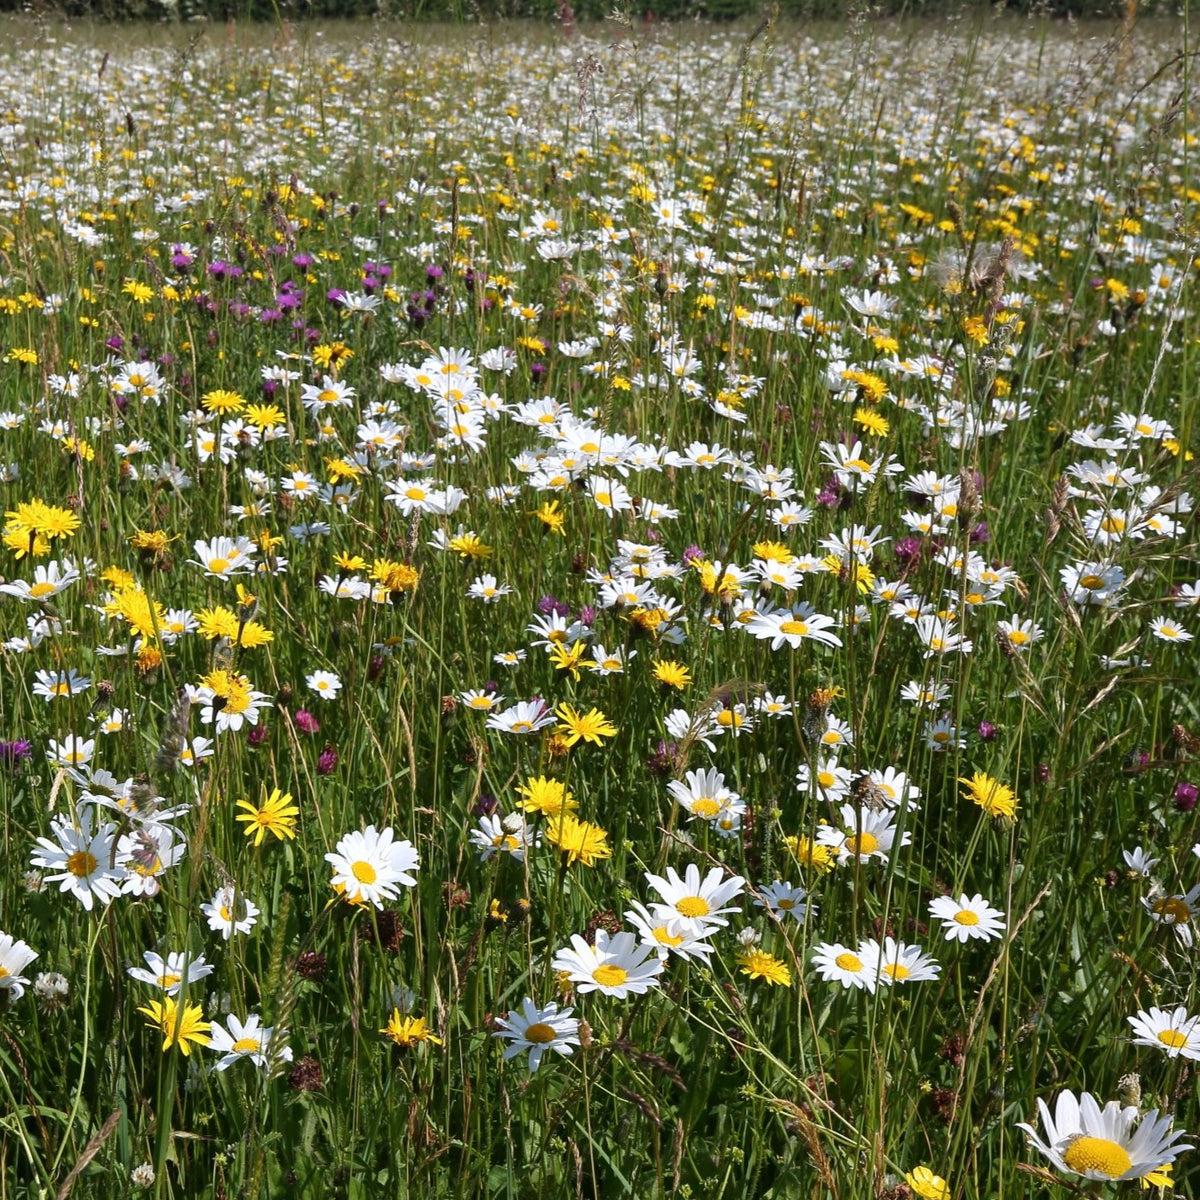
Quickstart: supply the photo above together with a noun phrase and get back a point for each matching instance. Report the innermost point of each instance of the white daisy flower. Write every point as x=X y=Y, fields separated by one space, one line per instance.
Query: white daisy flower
x=967 y=918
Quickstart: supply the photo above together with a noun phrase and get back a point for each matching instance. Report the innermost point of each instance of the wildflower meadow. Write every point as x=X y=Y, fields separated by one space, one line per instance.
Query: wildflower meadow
x=599 y=610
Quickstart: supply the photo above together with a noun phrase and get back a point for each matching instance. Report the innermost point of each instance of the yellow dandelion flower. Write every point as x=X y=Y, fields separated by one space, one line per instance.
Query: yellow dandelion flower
x=995 y=798
x=407 y=1032
x=580 y=841
x=589 y=727
x=872 y=422
x=469 y=545
x=277 y=814
x=672 y=674
x=179 y=1026
x=758 y=964
x=809 y=853
x=222 y=401
x=546 y=796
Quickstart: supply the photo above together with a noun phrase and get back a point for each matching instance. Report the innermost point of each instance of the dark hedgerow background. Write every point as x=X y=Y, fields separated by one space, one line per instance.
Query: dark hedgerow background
x=268 y=10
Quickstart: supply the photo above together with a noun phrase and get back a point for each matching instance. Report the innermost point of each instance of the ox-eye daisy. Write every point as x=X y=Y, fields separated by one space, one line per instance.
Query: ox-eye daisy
x=538 y=1030
x=1108 y=1144
x=370 y=866
x=614 y=965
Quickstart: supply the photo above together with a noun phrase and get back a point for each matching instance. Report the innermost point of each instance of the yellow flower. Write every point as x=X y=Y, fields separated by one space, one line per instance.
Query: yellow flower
x=976 y=329
x=22 y=354
x=152 y=541
x=217 y=622
x=811 y=854
x=469 y=545
x=139 y=291
x=350 y=562
x=546 y=796
x=395 y=576
x=330 y=356
x=758 y=964
x=994 y=797
x=1159 y=1177
x=926 y=1184
x=277 y=814
x=178 y=1027
x=570 y=660
x=871 y=421
x=672 y=674
x=773 y=552
x=264 y=416
x=222 y=401
x=552 y=517
x=590 y=727
x=580 y=841
x=408 y=1031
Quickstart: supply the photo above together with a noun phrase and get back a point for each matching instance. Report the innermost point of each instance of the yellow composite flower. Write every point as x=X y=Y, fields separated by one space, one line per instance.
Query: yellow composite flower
x=758 y=964
x=277 y=814
x=995 y=798
x=178 y=1027
x=570 y=660
x=395 y=576
x=408 y=1031
x=223 y=401
x=813 y=854
x=672 y=674
x=589 y=727
x=546 y=796
x=552 y=517
x=580 y=841
x=469 y=545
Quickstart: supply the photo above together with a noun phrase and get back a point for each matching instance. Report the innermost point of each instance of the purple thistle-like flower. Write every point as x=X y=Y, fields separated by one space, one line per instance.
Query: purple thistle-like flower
x=327 y=761
x=1185 y=796
x=257 y=735
x=305 y=721
x=12 y=753
x=908 y=550
x=987 y=731
x=548 y=604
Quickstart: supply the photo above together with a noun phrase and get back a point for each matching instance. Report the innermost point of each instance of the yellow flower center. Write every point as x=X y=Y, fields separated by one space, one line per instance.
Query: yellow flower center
x=859 y=464
x=897 y=972
x=218 y=565
x=481 y=702
x=169 y=981
x=327 y=396
x=246 y=1046
x=727 y=718
x=604 y=499
x=667 y=939
x=693 y=906
x=1113 y=524
x=848 y=962
x=797 y=627
x=1174 y=910
x=81 y=863
x=609 y=975
x=786 y=905
x=62 y=688
x=863 y=843
x=540 y=1033
x=363 y=872
x=1173 y=1038
x=826 y=779
x=41 y=589
x=1093 y=583
x=965 y=916
x=1097 y=1154
x=522 y=726
x=706 y=807
x=4 y=972
x=1017 y=637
